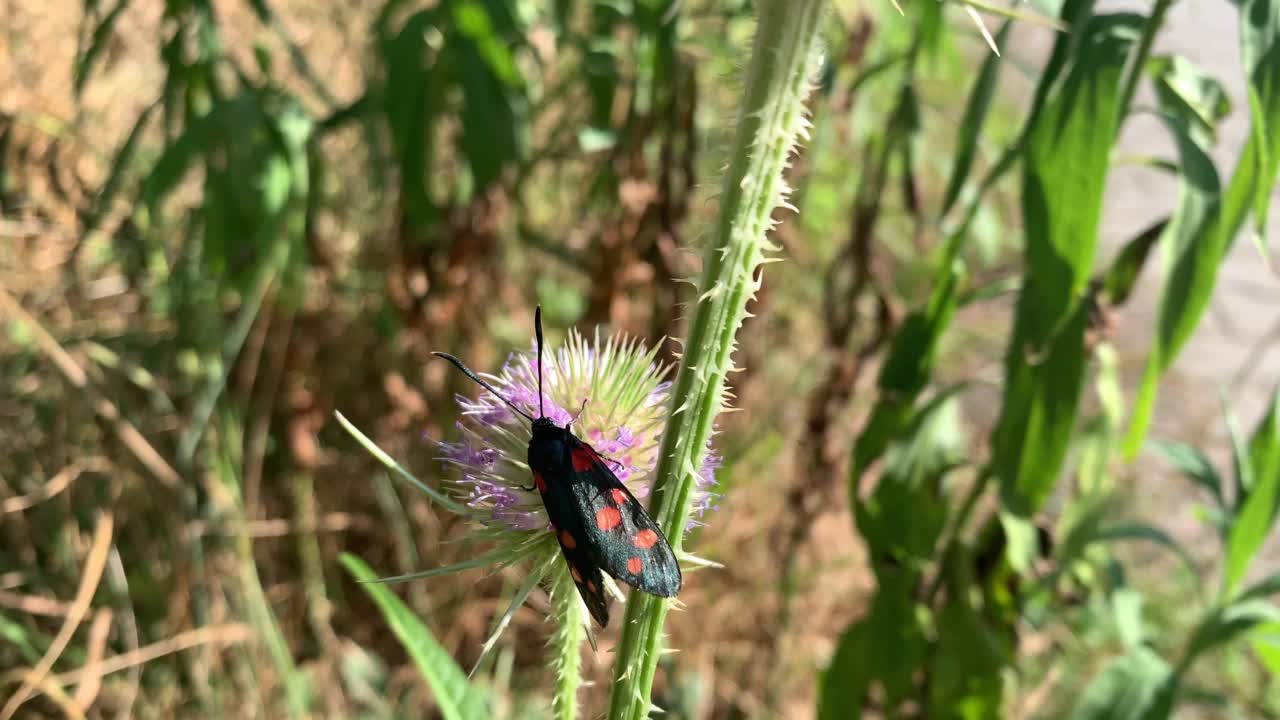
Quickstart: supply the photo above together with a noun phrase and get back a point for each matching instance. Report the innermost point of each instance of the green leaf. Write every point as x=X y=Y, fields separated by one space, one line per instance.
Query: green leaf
x=1262 y=589
x=845 y=681
x=381 y=455
x=1141 y=531
x=411 y=85
x=1223 y=625
x=928 y=27
x=1185 y=90
x=101 y=35
x=968 y=665
x=971 y=123
x=903 y=518
x=1266 y=645
x=1259 y=161
x=1195 y=270
x=1126 y=609
x=1065 y=170
x=1064 y=173
x=1123 y=275
x=1194 y=466
x=1137 y=686
x=1264 y=446
x=1257 y=514
x=886 y=648
x=493 y=109
x=907 y=369
x=1036 y=424
x=457 y=699
x=1196 y=244
x=1022 y=542
x=1082 y=522
x=177 y=158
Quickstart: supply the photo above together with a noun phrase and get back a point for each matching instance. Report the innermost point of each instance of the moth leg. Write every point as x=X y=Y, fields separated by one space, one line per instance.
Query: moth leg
x=582 y=409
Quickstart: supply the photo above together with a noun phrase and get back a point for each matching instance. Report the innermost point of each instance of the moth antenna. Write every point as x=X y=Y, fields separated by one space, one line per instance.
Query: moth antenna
x=467 y=371
x=537 y=329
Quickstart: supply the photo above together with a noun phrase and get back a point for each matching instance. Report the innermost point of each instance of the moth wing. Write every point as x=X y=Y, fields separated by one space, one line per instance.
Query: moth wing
x=624 y=540
x=586 y=576
x=575 y=546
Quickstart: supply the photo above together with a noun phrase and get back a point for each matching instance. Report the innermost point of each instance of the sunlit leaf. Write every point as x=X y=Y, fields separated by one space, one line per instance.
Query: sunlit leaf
x=1188 y=92
x=1266 y=645
x=1196 y=266
x=1257 y=514
x=1260 y=159
x=1136 y=686
x=1065 y=168
x=971 y=123
x=1195 y=242
x=1126 y=608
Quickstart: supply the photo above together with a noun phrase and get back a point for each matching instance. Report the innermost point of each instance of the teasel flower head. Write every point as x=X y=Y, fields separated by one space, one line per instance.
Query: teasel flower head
x=613 y=396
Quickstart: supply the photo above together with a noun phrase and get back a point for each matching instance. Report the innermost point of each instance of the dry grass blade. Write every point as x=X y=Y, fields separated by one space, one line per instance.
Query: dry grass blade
x=87 y=691
x=210 y=634
x=57 y=484
x=95 y=563
x=279 y=527
x=34 y=604
x=107 y=410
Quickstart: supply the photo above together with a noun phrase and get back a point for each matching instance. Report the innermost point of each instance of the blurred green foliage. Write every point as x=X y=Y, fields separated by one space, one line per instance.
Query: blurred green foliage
x=285 y=228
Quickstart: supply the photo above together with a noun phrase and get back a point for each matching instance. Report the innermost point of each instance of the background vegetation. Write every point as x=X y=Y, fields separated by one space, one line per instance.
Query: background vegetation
x=221 y=222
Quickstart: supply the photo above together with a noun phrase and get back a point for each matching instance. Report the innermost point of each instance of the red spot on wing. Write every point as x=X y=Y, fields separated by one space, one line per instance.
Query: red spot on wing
x=567 y=540
x=634 y=565
x=577 y=576
x=619 y=497
x=582 y=458
x=645 y=539
x=591 y=586
x=608 y=518
x=539 y=482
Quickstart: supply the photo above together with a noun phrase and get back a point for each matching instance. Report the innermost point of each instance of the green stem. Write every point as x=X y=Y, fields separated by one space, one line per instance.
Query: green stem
x=567 y=646
x=784 y=59
x=1139 y=63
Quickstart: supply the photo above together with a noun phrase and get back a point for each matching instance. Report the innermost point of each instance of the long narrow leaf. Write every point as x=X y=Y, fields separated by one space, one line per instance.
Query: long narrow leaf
x=395 y=467
x=456 y=697
x=1196 y=245
x=1065 y=170
x=971 y=123
x=1249 y=190
x=1257 y=514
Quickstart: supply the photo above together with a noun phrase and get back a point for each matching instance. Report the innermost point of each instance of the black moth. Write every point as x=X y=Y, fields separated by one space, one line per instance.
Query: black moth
x=597 y=521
